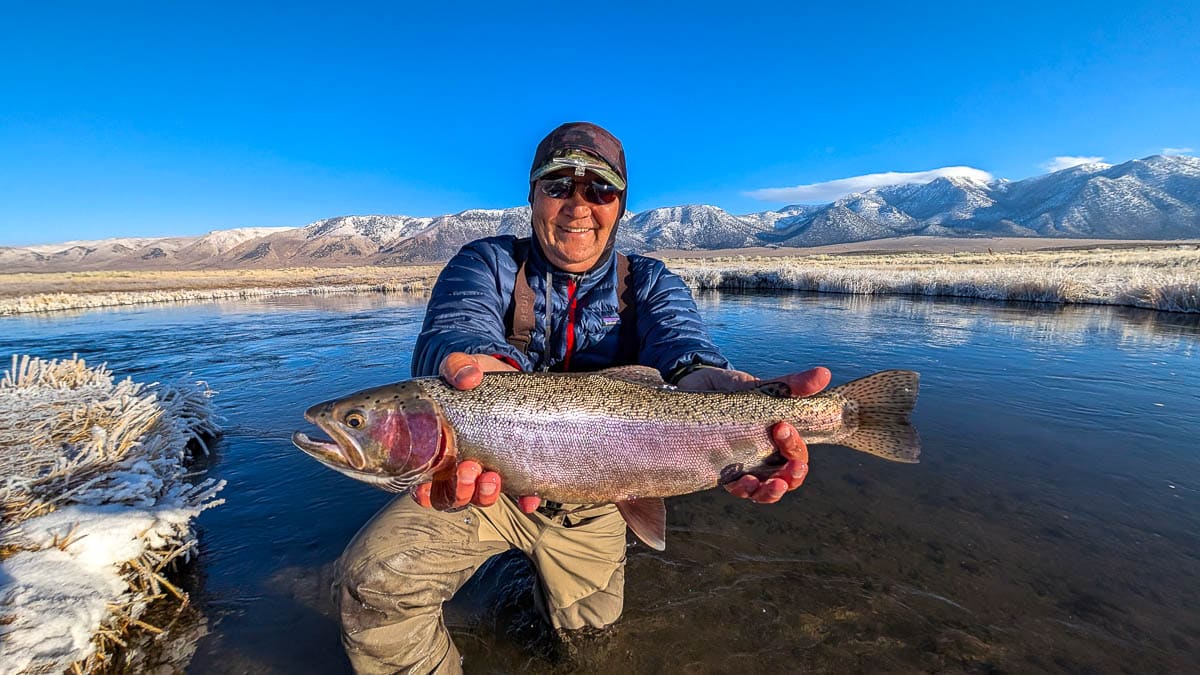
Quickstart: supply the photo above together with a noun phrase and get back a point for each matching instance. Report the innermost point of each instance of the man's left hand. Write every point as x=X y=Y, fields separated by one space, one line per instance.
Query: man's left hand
x=788 y=443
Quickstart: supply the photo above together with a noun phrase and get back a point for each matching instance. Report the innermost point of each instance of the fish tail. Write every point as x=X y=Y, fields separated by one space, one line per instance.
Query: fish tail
x=879 y=410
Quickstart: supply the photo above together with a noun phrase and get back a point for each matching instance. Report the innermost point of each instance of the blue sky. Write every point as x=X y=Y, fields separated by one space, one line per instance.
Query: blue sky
x=148 y=119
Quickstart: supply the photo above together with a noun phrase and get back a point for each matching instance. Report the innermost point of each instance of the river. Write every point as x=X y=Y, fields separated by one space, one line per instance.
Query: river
x=1052 y=524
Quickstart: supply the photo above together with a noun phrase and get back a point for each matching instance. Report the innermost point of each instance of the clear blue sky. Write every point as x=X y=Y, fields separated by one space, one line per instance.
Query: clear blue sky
x=143 y=119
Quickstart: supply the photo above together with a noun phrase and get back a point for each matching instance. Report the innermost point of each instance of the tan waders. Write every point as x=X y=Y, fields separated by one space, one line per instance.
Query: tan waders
x=408 y=560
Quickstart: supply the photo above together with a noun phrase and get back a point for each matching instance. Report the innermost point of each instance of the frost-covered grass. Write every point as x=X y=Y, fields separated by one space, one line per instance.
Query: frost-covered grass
x=1162 y=279
x=95 y=506
x=24 y=293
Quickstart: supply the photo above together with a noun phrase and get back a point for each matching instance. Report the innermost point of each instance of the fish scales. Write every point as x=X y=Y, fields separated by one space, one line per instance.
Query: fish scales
x=590 y=437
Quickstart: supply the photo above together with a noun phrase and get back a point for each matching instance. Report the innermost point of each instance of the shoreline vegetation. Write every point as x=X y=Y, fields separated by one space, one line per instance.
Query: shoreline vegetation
x=96 y=508
x=1162 y=276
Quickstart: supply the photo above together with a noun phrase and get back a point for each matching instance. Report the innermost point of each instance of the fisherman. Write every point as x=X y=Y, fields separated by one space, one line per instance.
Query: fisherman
x=562 y=300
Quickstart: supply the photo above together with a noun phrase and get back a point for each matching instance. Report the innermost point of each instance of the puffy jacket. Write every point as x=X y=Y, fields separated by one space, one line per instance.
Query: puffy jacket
x=473 y=297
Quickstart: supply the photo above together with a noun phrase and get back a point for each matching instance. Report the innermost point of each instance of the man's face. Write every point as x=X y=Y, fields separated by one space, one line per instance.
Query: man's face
x=573 y=231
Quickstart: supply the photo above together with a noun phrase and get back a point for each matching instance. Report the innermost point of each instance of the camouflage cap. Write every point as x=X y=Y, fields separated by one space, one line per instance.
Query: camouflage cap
x=581 y=146
x=581 y=162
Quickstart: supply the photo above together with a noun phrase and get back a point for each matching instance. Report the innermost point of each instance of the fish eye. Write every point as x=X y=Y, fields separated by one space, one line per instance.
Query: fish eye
x=355 y=420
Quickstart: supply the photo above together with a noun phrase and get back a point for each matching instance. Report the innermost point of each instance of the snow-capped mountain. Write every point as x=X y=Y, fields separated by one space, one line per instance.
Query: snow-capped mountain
x=1153 y=198
x=694 y=227
x=1156 y=197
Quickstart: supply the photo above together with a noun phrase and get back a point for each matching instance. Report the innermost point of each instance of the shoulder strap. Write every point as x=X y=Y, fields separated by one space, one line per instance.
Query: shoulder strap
x=520 y=327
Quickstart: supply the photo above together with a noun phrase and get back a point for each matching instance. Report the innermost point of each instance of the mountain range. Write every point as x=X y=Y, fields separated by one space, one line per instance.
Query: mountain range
x=1157 y=197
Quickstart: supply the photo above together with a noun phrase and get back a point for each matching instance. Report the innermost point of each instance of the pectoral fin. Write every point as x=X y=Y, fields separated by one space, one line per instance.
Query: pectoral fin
x=648 y=520
x=445 y=485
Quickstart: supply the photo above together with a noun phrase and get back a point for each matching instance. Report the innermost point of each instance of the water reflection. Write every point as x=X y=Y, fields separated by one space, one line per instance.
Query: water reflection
x=1051 y=526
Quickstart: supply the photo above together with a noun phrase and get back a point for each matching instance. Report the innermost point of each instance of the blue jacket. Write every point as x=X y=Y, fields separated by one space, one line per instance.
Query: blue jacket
x=473 y=296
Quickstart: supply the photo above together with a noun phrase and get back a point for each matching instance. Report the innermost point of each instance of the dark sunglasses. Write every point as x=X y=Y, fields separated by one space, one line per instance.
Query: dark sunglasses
x=595 y=192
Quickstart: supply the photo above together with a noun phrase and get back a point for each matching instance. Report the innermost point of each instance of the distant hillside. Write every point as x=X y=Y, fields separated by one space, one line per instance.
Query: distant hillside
x=1153 y=198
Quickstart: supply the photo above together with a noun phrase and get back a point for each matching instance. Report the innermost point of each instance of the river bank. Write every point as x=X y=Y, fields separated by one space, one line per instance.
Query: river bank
x=1155 y=275
x=1160 y=278
x=96 y=507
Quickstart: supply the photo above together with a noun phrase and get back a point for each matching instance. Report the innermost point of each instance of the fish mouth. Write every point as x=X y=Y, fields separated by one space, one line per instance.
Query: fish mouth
x=343 y=447
x=319 y=449
x=332 y=455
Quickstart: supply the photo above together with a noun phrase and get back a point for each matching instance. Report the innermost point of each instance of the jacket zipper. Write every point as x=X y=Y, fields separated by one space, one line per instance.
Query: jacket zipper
x=571 y=301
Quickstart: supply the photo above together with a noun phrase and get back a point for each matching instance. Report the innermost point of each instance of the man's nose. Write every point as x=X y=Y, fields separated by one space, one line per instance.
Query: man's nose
x=576 y=201
x=579 y=211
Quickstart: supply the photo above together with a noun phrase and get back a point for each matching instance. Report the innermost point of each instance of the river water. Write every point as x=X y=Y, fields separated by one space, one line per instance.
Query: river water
x=1052 y=524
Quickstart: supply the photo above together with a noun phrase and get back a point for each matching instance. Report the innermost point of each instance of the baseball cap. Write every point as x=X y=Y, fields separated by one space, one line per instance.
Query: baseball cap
x=581 y=147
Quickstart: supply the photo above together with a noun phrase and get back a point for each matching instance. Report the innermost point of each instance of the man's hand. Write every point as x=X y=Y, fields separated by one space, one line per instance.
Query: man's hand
x=789 y=444
x=475 y=486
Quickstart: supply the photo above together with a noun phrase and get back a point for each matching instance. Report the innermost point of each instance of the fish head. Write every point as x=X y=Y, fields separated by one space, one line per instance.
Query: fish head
x=392 y=437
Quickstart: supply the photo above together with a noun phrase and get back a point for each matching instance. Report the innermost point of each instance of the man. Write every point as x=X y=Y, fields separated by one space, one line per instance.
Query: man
x=562 y=300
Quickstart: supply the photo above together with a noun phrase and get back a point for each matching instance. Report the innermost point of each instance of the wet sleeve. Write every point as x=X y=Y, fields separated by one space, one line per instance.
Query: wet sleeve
x=672 y=334
x=466 y=312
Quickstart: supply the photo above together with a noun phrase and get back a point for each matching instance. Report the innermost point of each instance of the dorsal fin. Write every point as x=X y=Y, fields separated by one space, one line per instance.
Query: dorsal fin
x=647 y=518
x=635 y=374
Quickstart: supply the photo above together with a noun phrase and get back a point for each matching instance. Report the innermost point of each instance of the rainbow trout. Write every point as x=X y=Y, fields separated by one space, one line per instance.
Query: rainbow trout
x=619 y=435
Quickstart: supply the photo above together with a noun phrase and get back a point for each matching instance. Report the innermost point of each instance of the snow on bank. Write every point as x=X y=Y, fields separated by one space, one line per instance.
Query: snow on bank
x=95 y=506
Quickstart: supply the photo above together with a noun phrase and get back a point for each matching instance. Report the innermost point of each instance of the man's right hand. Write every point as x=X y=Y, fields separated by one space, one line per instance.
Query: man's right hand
x=465 y=371
x=475 y=486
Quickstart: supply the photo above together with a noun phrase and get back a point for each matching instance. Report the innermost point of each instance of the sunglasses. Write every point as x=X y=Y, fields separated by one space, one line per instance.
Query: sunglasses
x=595 y=192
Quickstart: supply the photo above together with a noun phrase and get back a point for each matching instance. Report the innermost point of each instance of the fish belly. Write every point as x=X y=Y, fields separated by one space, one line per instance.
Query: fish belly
x=586 y=459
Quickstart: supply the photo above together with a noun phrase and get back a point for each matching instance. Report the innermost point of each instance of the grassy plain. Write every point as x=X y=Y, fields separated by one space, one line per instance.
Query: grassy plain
x=1156 y=275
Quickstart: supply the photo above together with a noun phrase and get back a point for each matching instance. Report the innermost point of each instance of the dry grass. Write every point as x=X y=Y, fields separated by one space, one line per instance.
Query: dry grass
x=53 y=291
x=1156 y=278
x=72 y=435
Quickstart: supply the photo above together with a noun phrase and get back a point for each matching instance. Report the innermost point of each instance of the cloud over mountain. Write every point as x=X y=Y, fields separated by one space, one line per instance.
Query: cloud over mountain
x=1067 y=161
x=834 y=189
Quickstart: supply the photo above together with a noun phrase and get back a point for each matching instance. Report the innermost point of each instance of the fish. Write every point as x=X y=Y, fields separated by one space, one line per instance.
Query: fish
x=620 y=435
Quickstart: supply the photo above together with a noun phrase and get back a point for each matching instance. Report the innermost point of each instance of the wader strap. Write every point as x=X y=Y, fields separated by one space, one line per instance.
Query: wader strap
x=523 y=320
x=522 y=317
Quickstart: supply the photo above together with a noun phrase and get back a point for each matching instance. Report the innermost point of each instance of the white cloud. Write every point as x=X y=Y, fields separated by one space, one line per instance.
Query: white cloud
x=1066 y=162
x=833 y=189
x=1177 y=151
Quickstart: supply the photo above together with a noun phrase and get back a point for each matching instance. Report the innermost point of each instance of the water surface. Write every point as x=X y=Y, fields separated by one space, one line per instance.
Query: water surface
x=1051 y=524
